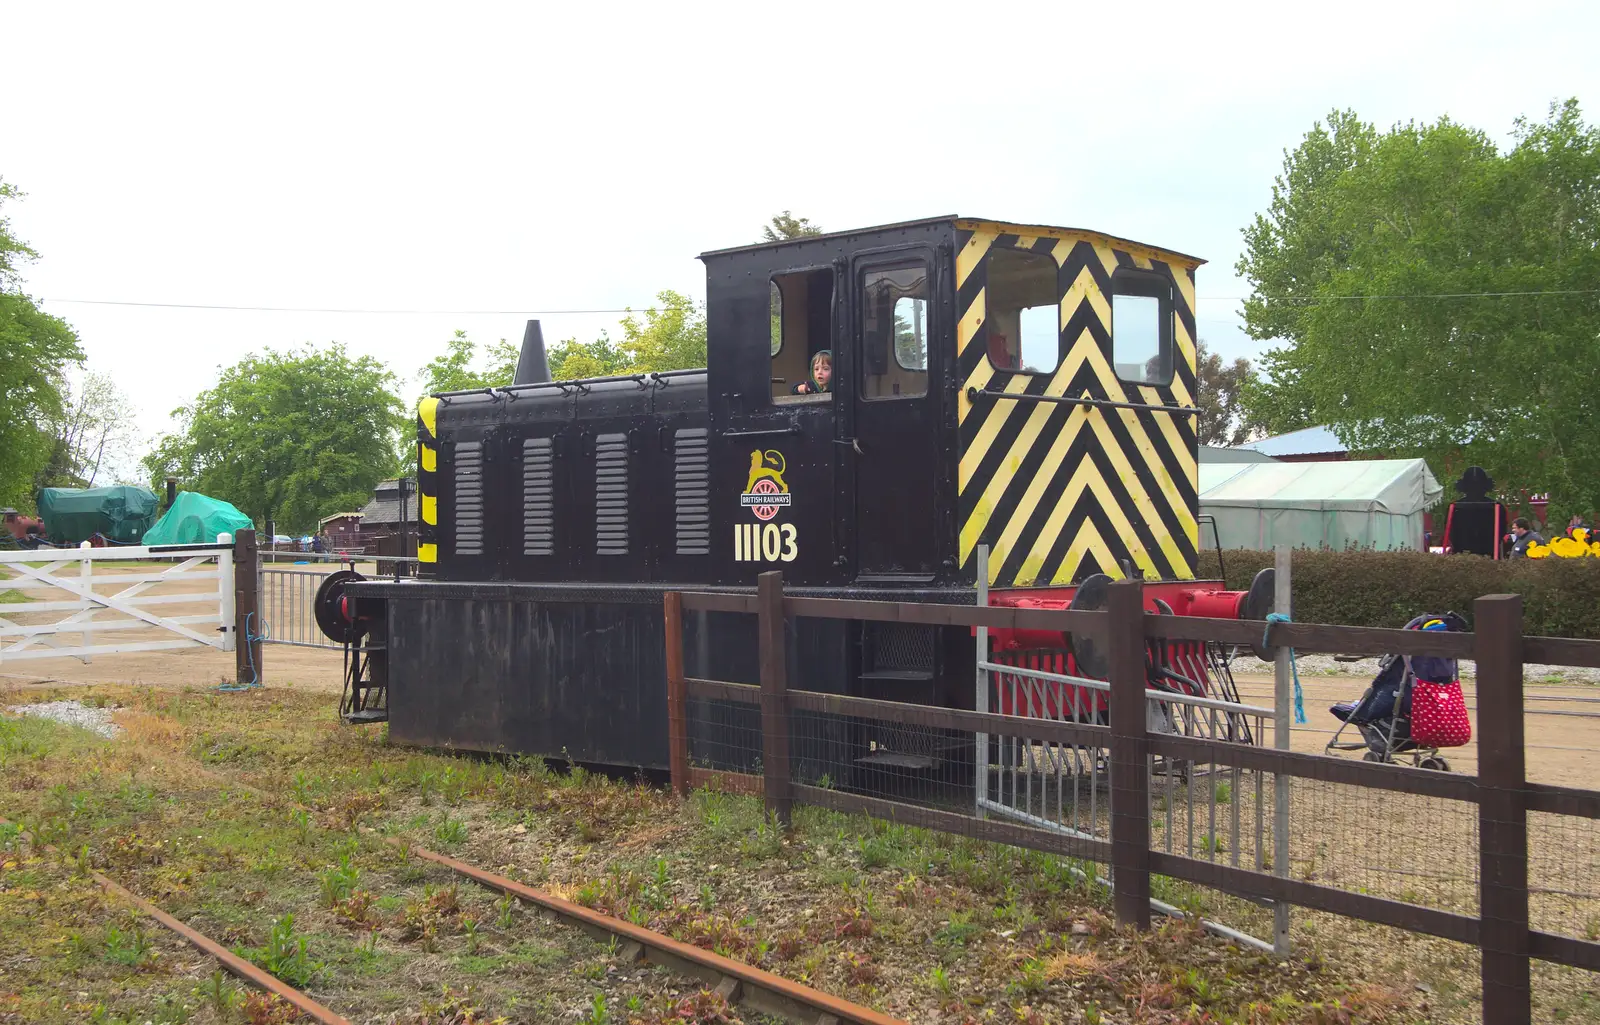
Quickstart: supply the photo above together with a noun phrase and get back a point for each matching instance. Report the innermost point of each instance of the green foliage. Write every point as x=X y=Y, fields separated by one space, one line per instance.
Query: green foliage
x=285 y=955
x=671 y=336
x=450 y=831
x=339 y=882
x=1394 y=269
x=786 y=226
x=37 y=348
x=129 y=947
x=457 y=368
x=290 y=436
x=1370 y=588
x=1223 y=418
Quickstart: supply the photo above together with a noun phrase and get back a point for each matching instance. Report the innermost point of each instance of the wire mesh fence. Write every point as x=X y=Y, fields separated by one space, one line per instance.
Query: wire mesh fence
x=1564 y=875
x=1167 y=780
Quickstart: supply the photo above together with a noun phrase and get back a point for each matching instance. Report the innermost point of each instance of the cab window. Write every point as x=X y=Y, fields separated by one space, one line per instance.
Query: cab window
x=801 y=315
x=894 y=332
x=1141 y=327
x=1023 y=320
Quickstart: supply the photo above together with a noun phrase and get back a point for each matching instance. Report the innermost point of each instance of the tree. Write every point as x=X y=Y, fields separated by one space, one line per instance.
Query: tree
x=1223 y=420
x=289 y=436
x=786 y=226
x=1434 y=295
x=671 y=336
x=93 y=432
x=453 y=370
x=34 y=350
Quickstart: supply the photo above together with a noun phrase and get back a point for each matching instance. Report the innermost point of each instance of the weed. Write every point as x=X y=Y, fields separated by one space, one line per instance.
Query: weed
x=286 y=957
x=220 y=995
x=1222 y=793
x=507 y=907
x=708 y=898
x=790 y=945
x=131 y=948
x=940 y=982
x=1196 y=985
x=853 y=922
x=450 y=832
x=859 y=969
x=269 y=1009
x=1032 y=976
x=301 y=788
x=958 y=931
x=876 y=852
x=703 y=1008
x=356 y=909
x=339 y=882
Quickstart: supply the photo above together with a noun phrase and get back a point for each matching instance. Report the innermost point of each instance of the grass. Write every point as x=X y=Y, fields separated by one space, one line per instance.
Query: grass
x=928 y=927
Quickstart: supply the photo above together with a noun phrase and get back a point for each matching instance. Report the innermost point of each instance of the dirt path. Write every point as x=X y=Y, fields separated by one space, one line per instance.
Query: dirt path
x=1561 y=749
x=314 y=669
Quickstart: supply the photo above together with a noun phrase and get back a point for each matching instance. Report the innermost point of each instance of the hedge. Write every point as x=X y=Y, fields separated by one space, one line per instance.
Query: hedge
x=1361 y=587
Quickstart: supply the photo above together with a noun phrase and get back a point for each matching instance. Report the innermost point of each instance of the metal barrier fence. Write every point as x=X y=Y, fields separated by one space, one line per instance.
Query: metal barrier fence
x=1142 y=792
x=288 y=593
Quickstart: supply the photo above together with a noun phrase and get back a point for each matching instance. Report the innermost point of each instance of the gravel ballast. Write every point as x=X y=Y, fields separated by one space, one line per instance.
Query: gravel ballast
x=73 y=713
x=1324 y=665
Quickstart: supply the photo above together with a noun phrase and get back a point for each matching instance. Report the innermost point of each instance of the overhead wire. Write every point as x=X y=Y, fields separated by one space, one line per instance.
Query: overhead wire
x=1301 y=300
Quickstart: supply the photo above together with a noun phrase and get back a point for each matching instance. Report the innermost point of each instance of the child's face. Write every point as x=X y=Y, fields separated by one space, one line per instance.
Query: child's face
x=822 y=370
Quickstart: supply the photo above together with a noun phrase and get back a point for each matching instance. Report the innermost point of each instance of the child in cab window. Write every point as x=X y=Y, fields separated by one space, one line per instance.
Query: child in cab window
x=821 y=375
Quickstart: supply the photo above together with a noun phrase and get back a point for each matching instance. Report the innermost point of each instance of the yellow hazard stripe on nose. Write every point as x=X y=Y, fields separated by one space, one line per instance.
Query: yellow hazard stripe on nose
x=427 y=553
x=428 y=458
x=430 y=510
x=428 y=413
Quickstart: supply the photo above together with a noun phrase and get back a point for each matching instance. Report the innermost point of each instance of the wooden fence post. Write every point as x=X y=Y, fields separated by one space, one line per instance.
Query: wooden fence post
x=1502 y=812
x=246 y=610
x=677 y=694
x=1130 y=762
x=774 y=696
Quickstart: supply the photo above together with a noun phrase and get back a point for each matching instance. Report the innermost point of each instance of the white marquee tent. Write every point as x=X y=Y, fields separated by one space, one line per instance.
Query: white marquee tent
x=1375 y=502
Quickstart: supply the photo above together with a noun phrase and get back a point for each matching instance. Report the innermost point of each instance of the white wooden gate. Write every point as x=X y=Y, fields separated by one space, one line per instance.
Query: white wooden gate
x=85 y=601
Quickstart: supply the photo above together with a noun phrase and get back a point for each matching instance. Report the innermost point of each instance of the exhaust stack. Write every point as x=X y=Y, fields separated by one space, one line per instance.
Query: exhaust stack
x=532 y=366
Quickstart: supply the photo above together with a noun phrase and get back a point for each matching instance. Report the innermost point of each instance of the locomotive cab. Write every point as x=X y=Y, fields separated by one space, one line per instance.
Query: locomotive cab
x=1026 y=388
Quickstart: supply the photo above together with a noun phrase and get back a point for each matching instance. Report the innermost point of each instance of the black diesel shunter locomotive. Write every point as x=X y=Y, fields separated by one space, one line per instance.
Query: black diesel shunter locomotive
x=1029 y=389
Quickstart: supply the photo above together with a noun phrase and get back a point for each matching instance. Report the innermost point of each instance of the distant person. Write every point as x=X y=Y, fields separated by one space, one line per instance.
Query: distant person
x=821 y=375
x=1522 y=535
x=1576 y=524
x=317 y=545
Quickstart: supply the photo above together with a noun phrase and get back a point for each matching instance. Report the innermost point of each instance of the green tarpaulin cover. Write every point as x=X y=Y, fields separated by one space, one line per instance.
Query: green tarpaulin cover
x=122 y=514
x=195 y=519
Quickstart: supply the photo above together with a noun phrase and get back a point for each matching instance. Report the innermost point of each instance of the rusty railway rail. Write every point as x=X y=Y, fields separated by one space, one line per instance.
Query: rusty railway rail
x=735 y=981
x=233 y=963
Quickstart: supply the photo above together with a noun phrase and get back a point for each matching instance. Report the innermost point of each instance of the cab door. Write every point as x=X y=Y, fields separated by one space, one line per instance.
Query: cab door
x=892 y=432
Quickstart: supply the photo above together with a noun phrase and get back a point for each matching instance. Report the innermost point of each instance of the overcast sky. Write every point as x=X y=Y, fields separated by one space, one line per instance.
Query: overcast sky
x=466 y=157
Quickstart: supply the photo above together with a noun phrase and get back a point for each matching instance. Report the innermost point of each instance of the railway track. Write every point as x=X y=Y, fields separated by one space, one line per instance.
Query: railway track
x=737 y=983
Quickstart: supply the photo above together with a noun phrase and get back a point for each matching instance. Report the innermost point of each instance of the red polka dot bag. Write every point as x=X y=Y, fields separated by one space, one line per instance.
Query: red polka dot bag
x=1438 y=709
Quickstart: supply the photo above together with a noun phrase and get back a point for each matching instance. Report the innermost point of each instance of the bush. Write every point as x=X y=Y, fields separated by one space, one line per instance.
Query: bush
x=1361 y=587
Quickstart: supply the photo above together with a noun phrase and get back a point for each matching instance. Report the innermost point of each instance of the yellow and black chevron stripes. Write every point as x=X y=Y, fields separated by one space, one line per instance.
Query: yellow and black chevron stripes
x=428 y=480
x=1060 y=491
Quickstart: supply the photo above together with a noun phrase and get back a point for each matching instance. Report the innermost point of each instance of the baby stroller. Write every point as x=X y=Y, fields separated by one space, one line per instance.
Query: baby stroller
x=1383 y=716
